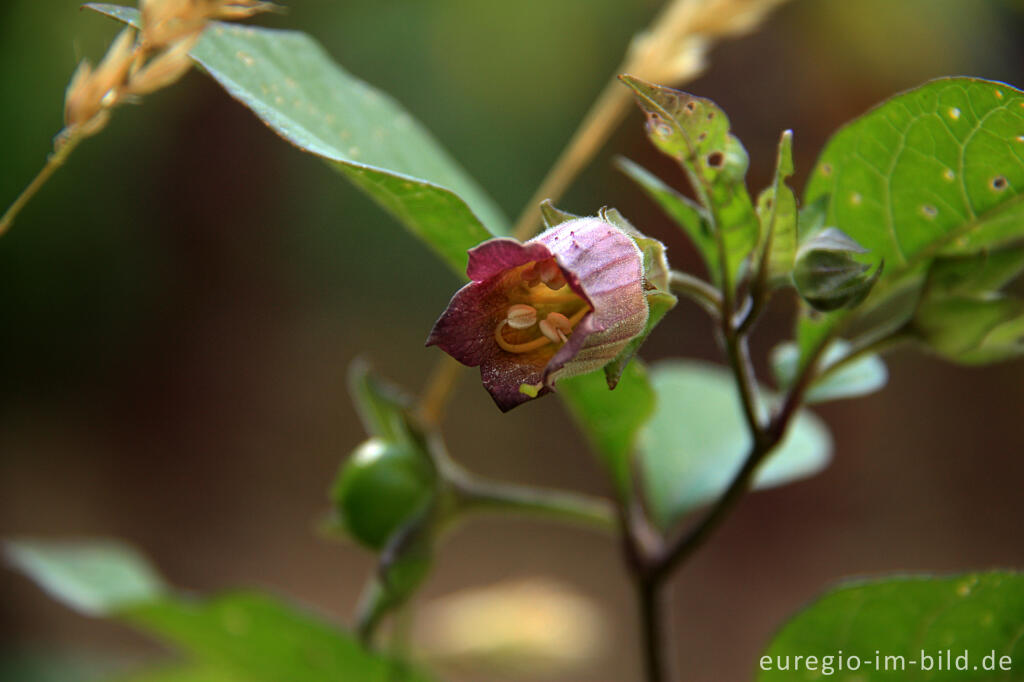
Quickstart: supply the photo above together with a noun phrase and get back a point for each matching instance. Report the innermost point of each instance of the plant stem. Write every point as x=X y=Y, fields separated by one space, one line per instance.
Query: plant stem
x=746 y=382
x=649 y=599
x=53 y=162
x=437 y=392
x=475 y=494
x=868 y=346
x=684 y=546
x=698 y=291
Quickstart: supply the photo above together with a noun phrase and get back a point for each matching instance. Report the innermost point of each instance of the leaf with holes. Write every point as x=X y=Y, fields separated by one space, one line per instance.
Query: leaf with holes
x=695 y=132
x=938 y=170
x=289 y=81
x=697 y=439
x=902 y=628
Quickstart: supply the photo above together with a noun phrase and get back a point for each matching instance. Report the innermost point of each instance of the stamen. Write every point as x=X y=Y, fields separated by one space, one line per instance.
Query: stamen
x=539 y=342
x=530 y=276
x=551 y=274
x=555 y=326
x=521 y=316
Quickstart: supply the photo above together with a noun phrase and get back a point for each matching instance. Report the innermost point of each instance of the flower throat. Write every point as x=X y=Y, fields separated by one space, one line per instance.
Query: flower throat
x=543 y=308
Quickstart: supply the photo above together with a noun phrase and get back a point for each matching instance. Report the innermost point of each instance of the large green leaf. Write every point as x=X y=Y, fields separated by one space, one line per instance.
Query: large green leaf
x=260 y=639
x=181 y=673
x=96 y=578
x=697 y=440
x=231 y=638
x=695 y=132
x=902 y=628
x=289 y=81
x=961 y=313
x=935 y=171
x=611 y=419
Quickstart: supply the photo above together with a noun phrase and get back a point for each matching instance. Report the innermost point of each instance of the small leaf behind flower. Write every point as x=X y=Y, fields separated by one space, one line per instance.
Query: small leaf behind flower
x=611 y=420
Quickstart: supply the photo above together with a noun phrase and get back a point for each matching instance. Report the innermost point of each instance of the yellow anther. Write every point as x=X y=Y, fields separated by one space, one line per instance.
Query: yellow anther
x=521 y=316
x=556 y=326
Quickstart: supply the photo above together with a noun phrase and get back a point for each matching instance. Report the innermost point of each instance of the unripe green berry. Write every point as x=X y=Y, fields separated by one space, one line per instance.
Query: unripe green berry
x=379 y=488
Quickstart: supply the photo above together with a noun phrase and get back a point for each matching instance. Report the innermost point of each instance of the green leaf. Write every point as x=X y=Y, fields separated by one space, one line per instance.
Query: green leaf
x=861 y=377
x=240 y=637
x=962 y=316
x=976 y=274
x=289 y=81
x=257 y=638
x=611 y=419
x=934 y=171
x=181 y=673
x=972 y=330
x=898 y=628
x=95 y=578
x=697 y=440
x=776 y=209
x=695 y=132
x=690 y=217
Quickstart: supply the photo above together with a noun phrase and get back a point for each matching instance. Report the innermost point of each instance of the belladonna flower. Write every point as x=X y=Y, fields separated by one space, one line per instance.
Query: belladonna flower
x=564 y=303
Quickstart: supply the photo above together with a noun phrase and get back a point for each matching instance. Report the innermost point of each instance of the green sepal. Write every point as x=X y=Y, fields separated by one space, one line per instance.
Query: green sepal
x=656 y=279
x=552 y=215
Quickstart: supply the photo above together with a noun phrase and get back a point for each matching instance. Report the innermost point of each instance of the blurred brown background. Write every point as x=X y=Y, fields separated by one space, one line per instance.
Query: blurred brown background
x=179 y=305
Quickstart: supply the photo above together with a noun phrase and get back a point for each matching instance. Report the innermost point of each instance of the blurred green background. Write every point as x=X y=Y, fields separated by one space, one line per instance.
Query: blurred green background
x=179 y=305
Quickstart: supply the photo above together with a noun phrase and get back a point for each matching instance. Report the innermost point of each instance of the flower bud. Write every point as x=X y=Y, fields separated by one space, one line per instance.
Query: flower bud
x=827 y=274
x=585 y=280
